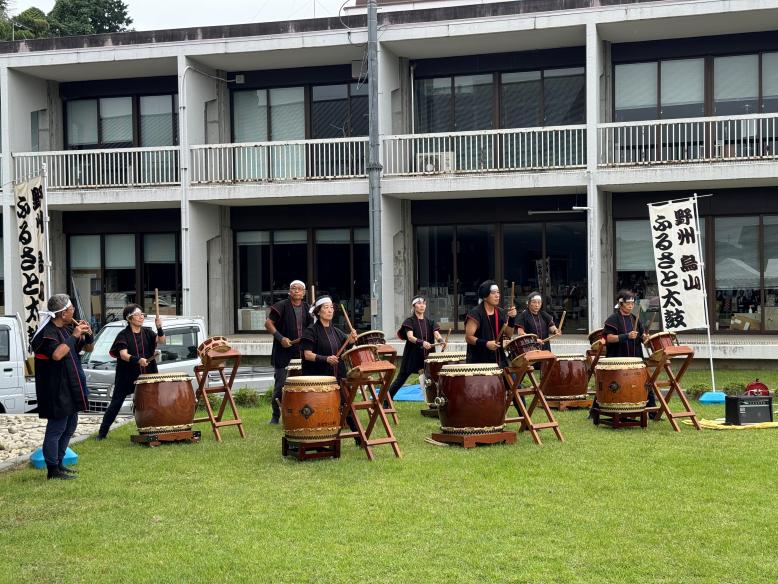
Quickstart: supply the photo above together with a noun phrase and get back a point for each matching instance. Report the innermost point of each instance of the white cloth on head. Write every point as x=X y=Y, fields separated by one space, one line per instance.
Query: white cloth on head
x=44 y=316
x=319 y=302
x=494 y=288
x=417 y=299
x=298 y=282
x=531 y=298
x=134 y=312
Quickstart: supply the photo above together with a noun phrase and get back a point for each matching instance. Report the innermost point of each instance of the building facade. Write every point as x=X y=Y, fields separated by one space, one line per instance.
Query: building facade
x=520 y=141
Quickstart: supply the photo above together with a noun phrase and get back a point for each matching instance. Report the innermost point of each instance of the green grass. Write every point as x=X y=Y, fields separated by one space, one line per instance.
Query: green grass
x=617 y=506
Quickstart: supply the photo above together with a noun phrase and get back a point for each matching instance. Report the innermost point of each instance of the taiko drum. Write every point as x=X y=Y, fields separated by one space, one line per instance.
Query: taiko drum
x=521 y=345
x=565 y=378
x=471 y=399
x=310 y=408
x=432 y=366
x=360 y=355
x=164 y=401
x=661 y=340
x=621 y=384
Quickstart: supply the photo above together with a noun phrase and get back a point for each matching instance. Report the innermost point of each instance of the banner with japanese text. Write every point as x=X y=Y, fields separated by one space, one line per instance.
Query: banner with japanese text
x=679 y=266
x=32 y=248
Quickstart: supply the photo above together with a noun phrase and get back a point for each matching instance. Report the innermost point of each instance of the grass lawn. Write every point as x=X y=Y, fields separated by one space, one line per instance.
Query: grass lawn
x=618 y=506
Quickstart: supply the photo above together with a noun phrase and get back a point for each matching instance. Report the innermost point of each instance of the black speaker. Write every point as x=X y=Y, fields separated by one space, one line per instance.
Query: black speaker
x=748 y=409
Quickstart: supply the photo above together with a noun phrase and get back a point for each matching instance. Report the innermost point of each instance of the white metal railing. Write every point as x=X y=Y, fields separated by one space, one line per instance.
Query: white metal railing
x=557 y=147
x=90 y=169
x=279 y=161
x=689 y=140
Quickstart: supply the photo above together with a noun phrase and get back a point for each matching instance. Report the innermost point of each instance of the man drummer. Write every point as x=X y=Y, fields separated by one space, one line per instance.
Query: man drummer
x=286 y=322
x=536 y=321
x=419 y=334
x=133 y=350
x=484 y=326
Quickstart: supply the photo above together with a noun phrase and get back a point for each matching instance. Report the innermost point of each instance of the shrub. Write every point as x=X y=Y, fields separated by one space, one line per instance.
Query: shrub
x=247 y=398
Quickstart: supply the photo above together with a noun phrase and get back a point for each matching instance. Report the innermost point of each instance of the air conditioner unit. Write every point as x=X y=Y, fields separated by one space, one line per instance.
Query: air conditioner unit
x=435 y=162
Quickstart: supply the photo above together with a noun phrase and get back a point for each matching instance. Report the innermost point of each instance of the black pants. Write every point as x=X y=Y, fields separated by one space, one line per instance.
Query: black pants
x=57 y=437
x=278 y=390
x=109 y=417
x=399 y=381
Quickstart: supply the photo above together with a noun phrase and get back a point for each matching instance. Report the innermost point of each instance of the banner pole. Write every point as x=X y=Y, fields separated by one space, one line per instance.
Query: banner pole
x=47 y=262
x=707 y=313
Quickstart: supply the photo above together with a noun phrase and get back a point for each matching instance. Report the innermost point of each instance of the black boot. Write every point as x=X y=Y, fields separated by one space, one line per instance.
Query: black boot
x=65 y=469
x=55 y=473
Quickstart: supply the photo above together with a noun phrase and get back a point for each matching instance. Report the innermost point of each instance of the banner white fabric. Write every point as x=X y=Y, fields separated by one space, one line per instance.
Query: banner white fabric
x=32 y=249
x=679 y=266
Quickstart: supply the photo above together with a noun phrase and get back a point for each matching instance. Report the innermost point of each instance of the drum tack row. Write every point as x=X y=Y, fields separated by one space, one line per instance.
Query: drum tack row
x=472 y=401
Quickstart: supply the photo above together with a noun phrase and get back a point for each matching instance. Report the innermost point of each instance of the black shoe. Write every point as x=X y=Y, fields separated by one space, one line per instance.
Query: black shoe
x=55 y=473
x=101 y=436
x=273 y=420
x=67 y=470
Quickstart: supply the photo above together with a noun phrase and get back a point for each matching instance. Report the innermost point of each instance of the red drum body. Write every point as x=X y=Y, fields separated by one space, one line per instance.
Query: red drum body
x=360 y=355
x=432 y=366
x=310 y=408
x=621 y=384
x=566 y=378
x=520 y=346
x=371 y=338
x=472 y=399
x=660 y=341
x=164 y=402
x=294 y=368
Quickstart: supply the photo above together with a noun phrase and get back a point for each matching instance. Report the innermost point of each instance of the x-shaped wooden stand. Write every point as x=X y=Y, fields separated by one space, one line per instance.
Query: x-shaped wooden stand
x=216 y=361
x=374 y=378
x=522 y=367
x=661 y=362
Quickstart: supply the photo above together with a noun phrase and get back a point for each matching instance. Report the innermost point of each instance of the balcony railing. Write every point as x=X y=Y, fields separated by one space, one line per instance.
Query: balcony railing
x=109 y=168
x=338 y=158
x=691 y=140
x=524 y=149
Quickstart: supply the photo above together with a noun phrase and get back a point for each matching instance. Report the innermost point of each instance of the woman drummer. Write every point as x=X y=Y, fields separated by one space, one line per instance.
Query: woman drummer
x=320 y=344
x=420 y=334
x=133 y=350
x=536 y=321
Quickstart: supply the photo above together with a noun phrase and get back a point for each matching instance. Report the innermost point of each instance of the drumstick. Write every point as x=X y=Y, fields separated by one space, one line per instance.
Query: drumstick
x=156 y=302
x=561 y=322
x=513 y=299
x=445 y=341
x=348 y=320
x=313 y=294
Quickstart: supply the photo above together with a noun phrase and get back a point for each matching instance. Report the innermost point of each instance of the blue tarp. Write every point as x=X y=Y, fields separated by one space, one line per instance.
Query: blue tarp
x=410 y=393
x=36 y=458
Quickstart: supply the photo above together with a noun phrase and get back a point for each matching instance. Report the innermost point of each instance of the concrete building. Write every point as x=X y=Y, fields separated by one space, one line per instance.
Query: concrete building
x=520 y=141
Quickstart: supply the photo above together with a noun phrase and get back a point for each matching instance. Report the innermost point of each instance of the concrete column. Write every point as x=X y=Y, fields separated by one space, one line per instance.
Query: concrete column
x=204 y=226
x=58 y=245
x=221 y=278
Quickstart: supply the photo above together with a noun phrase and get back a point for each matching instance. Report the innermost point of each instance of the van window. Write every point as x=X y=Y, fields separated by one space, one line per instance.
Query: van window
x=180 y=344
x=5 y=345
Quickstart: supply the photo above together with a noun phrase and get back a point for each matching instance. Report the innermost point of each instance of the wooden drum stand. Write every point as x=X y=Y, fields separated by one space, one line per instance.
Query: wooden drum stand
x=217 y=361
x=660 y=361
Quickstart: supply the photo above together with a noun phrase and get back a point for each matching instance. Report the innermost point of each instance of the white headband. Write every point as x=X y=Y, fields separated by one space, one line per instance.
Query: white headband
x=134 y=312
x=417 y=300
x=298 y=282
x=319 y=302
x=494 y=288
x=531 y=298
x=44 y=316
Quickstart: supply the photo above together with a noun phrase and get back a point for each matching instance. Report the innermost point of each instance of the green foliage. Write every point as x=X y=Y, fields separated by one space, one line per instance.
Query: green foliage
x=247 y=398
x=67 y=18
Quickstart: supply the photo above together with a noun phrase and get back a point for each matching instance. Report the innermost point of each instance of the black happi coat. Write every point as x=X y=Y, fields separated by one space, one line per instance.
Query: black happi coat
x=413 y=354
x=59 y=385
x=323 y=341
x=141 y=345
x=487 y=330
x=536 y=325
x=283 y=317
x=618 y=324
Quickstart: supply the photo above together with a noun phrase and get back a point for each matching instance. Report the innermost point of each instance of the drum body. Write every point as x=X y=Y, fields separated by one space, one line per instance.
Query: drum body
x=358 y=355
x=294 y=368
x=621 y=384
x=217 y=344
x=472 y=399
x=164 y=402
x=521 y=345
x=371 y=338
x=565 y=378
x=596 y=335
x=310 y=408
x=661 y=340
x=432 y=366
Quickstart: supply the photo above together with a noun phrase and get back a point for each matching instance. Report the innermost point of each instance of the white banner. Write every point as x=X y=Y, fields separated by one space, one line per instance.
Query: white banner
x=32 y=249
x=679 y=266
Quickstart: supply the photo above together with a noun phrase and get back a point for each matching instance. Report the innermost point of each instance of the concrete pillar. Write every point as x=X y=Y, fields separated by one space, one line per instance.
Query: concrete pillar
x=204 y=226
x=397 y=275
x=221 y=278
x=58 y=245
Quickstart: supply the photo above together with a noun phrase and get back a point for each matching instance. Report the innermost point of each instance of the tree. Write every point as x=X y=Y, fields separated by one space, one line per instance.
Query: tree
x=74 y=17
x=30 y=24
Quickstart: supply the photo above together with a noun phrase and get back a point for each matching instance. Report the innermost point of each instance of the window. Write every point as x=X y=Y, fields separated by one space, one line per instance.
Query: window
x=521 y=100
x=5 y=344
x=635 y=92
x=86 y=277
x=180 y=345
x=683 y=88
x=564 y=96
x=736 y=85
x=161 y=271
x=738 y=295
x=770 y=82
x=120 y=286
x=433 y=109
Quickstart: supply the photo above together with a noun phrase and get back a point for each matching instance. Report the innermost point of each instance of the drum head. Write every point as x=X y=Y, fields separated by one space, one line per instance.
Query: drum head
x=464 y=369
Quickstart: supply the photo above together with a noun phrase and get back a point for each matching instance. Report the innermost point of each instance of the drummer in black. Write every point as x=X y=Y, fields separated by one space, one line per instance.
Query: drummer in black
x=420 y=334
x=536 y=321
x=321 y=342
x=483 y=326
x=133 y=350
x=286 y=322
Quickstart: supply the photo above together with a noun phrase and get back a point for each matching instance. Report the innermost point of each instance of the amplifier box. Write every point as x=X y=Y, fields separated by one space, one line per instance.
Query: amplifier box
x=748 y=409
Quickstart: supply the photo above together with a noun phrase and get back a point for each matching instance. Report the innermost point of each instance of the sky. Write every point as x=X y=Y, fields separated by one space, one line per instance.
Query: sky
x=161 y=14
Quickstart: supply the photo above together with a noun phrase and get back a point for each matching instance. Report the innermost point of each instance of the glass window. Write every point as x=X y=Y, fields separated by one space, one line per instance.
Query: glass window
x=736 y=85
x=566 y=258
x=160 y=270
x=770 y=239
x=329 y=111
x=521 y=100
x=683 y=88
x=254 y=290
x=738 y=301
x=249 y=113
x=564 y=96
x=287 y=113
x=360 y=121
x=435 y=265
x=475 y=263
x=636 y=92
x=522 y=253
x=5 y=344
x=82 y=122
x=770 y=82
x=156 y=121
x=333 y=267
x=180 y=345
x=290 y=260
x=362 y=315
x=120 y=287
x=473 y=102
x=116 y=121
x=433 y=105
x=87 y=277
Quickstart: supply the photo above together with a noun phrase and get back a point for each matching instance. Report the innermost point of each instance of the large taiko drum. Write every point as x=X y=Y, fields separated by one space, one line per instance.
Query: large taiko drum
x=294 y=368
x=566 y=378
x=432 y=366
x=661 y=341
x=621 y=384
x=521 y=345
x=164 y=402
x=471 y=399
x=359 y=355
x=310 y=407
